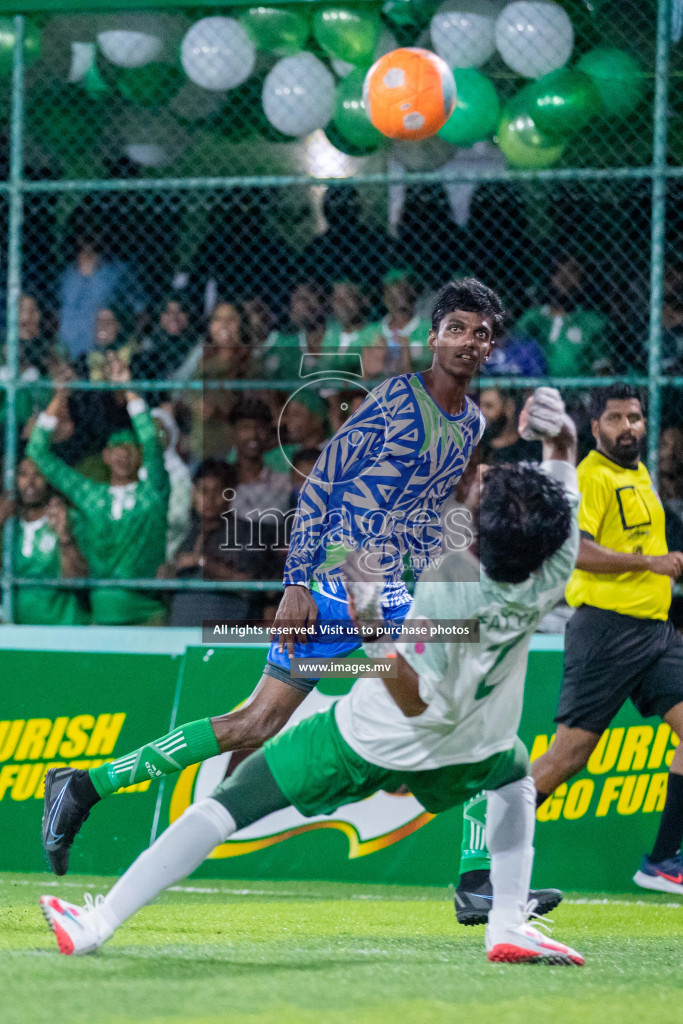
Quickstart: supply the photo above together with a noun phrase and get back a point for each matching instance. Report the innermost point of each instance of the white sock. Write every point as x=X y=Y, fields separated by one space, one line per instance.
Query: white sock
x=510 y=821
x=177 y=853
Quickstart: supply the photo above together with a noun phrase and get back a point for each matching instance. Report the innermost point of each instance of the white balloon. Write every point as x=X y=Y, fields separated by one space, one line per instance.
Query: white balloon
x=298 y=94
x=129 y=49
x=217 y=54
x=385 y=44
x=534 y=37
x=465 y=37
x=82 y=59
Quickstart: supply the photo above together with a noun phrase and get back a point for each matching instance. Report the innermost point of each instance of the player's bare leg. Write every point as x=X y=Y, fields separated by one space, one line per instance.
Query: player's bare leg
x=70 y=794
x=269 y=708
x=568 y=754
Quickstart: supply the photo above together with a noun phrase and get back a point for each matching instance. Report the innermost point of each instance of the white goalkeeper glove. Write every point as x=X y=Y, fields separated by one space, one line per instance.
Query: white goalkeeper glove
x=543 y=415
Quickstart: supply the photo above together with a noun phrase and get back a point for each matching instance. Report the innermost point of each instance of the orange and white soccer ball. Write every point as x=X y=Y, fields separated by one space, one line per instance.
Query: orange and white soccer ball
x=409 y=93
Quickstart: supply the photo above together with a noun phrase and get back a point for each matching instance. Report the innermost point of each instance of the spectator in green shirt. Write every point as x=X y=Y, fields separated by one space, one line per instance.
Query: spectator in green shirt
x=313 y=342
x=120 y=525
x=300 y=346
x=576 y=340
x=402 y=332
x=43 y=548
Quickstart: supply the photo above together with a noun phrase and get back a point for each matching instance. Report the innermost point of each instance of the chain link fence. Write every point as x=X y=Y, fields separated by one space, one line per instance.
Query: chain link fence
x=195 y=207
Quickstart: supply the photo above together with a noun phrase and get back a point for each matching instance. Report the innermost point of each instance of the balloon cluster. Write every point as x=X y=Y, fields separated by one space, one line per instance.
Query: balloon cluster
x=284 y=72
x=534 y=39
x=285 y=97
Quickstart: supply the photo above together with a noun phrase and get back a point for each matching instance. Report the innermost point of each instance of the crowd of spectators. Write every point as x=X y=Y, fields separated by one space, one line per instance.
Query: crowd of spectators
x=225 y=353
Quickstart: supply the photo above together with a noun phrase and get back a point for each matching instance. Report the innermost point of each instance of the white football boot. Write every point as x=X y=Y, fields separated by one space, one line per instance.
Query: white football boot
x=526 y=944
x=78 y=930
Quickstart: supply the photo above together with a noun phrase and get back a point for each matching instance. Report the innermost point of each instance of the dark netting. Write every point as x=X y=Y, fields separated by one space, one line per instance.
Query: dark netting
x=209 y=213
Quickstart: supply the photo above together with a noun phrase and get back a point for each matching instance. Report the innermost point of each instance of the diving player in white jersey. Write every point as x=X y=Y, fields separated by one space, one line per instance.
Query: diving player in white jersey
x=387 y=473
x=445 y=727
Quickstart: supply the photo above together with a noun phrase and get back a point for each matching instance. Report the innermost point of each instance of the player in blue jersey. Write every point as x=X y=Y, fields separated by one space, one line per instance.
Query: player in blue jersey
x=380 y=484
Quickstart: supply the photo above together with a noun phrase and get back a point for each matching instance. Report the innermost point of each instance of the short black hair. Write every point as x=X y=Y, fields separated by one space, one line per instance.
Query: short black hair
x=618 y=392
x=250 y=408
x=523 y=519
x=219 y=470
x=471 y=296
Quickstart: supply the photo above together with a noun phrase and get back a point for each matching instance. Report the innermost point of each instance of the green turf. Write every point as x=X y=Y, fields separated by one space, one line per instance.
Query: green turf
x=319 y=953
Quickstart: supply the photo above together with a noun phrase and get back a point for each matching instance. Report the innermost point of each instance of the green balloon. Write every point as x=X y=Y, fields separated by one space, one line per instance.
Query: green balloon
x=561 y=103
x=347 y=34
x=350 y=117
x=477 y=109
x=94 y=84
x=617 y=77
x=407 y=12
x=335 y=137
x=275 y=30
x=151 y=85
x=521 y=142
x=31 y=44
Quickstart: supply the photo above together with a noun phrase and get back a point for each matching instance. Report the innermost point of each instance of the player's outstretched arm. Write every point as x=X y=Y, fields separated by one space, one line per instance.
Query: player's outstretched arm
x=71 y=483
x=364 y=590
x=405 y=689
x=297 y=611
x=73 y=564
x=545 y=419
x=144 y=429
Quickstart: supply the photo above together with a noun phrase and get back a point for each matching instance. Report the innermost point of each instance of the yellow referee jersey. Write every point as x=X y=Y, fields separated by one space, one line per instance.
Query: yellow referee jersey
x=621 y=510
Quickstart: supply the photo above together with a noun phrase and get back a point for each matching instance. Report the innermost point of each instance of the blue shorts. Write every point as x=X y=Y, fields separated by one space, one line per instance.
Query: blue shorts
x=329 y=609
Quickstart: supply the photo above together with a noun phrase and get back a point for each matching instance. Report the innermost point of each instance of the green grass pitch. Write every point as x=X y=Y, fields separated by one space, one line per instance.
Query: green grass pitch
x=213 y=952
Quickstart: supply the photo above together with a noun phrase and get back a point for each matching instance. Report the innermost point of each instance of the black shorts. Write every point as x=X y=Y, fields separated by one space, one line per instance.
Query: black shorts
x=610 y=657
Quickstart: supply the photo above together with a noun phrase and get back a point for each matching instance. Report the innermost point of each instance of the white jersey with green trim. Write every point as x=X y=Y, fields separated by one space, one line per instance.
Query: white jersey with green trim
x=473 y=691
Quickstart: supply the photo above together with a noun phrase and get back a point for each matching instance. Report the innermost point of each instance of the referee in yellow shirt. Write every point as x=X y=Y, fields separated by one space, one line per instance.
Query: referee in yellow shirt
x=619 y=643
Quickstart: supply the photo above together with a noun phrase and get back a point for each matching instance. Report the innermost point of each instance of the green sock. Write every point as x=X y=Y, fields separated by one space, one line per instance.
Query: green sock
x=186 y=745
x=474 y=855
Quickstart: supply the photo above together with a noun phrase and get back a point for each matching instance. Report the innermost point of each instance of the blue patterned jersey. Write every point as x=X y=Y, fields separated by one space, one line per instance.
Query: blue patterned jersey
x=381 y=483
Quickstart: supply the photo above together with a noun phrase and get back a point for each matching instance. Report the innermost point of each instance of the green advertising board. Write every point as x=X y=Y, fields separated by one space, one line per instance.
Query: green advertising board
x=65 y=704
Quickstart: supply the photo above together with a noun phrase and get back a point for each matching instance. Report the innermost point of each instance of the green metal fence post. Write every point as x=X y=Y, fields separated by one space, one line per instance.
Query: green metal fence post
x=658 y=235
x=16 y=212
